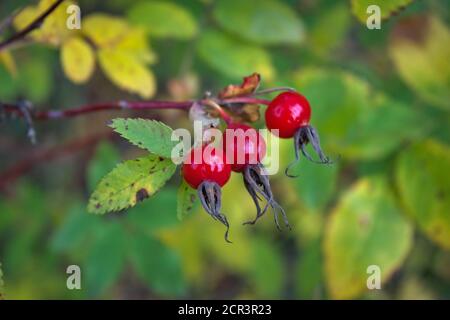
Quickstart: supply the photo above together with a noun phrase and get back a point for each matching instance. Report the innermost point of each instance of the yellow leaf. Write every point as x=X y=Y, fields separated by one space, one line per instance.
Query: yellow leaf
x=9 y=62
x=104 y=30
x=366 y=228
x=25 y=17
x=127 y=72
x=54 y=30
x=77 y=59
x=420 y=52
x=135 y=43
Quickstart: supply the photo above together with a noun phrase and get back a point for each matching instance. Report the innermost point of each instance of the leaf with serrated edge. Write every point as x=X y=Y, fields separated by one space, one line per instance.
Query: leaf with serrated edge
x=152 y=135
x=186 y=199
x=130 y=182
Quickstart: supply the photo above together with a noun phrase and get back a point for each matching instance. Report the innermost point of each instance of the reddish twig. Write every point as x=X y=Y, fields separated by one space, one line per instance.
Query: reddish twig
x=120 y=105
x=35 y=24
x=45 y=155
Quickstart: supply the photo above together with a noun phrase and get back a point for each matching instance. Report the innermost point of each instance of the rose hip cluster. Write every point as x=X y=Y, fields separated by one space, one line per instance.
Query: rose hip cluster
x=287 y=116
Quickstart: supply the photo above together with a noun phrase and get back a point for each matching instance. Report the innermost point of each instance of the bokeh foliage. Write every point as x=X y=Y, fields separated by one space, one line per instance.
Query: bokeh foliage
x=380 y=101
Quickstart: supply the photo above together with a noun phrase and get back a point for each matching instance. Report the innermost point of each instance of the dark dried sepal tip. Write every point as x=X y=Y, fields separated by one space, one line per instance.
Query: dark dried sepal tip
x=257 y=184
x=303 y=136
x=210 y=196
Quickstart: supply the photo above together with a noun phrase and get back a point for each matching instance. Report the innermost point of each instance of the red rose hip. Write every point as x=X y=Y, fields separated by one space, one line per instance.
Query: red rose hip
x=211 y=167
x=287 y=112
x=243 y=145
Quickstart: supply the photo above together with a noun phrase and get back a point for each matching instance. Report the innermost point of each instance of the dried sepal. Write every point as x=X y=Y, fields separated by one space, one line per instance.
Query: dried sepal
x=257 y=184
x=210 y=196
x=303 y=136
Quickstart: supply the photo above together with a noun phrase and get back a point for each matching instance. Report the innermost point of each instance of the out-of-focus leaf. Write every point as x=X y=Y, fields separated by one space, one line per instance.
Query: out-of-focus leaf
x=9 y=87
x=366 y=228
x=104 y=160
x=130 y=182
x=316 y=183
x=152 y=135
x=2 y=292
x=387 y=8
x=383 y=128
x=265 y=22
x=420 y=52
x=127 y=72
x=266 y=269
x=249 y=85
x=232 y=57
x=77 y=59
x=76 y=227
x=34 y=81
x=157 y=265
x=105 y=30
x=309 y=275
x=354 y=122
x=330 y=28
x=186 y=200
x=163 y=19
x=156 y=213
x=105 y=260
x=135 y=43
x=54 y=29
x=423 y=177
x=7 y=59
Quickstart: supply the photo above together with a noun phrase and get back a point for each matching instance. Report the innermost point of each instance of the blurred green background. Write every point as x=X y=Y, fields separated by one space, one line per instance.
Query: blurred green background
x=380 y=101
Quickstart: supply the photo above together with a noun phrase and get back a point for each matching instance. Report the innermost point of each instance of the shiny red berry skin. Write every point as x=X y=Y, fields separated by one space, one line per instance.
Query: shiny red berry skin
x=251 y=145
x=211 y=166
x=288 y=112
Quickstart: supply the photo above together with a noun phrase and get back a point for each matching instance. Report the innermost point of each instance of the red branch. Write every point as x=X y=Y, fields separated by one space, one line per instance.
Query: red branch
x=47 y=154
x=120 y=105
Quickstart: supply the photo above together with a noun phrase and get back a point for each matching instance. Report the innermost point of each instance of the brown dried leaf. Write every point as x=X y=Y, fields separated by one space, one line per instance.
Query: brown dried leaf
x=249 y=85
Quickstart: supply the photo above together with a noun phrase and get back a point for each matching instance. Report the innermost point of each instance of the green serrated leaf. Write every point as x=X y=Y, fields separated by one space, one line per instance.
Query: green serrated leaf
x=163 y=19
x=422 y=178
x=105 y=159
x=186 y=200
x=387 y=8
x=366 y=228
x=157 y=265
x=130 y=182
x=265 y=22
x=152 y=135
